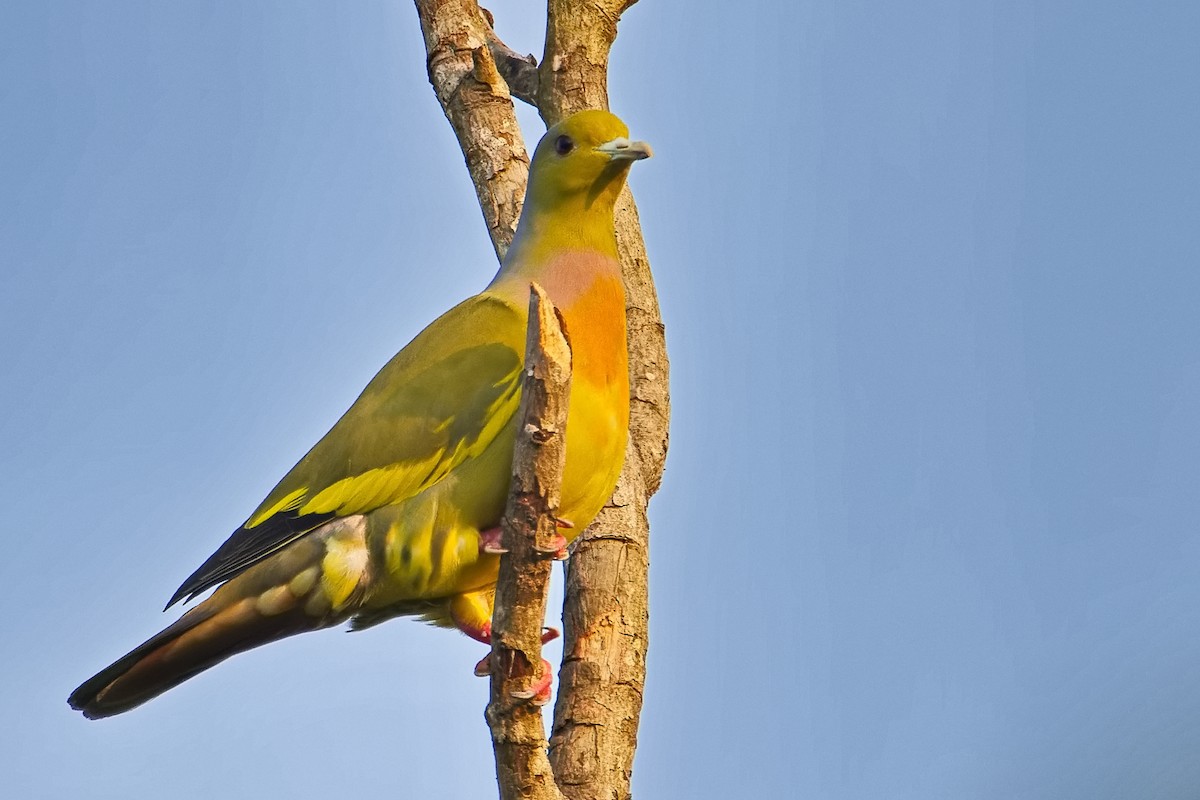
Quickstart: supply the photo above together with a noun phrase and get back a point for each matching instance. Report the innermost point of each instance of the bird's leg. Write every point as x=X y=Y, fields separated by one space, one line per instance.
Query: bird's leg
x=539 y=692
x=490 y=542
x=472 y=614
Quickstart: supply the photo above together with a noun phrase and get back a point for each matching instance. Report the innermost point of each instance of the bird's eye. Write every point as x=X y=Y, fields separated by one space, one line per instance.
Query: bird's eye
x=563 y=145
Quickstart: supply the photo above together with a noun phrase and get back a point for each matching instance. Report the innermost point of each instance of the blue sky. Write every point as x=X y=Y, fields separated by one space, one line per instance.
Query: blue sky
x=929 y=272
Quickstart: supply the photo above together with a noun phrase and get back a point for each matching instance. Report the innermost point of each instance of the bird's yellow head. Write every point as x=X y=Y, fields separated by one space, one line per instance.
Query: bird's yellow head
x=583 y=160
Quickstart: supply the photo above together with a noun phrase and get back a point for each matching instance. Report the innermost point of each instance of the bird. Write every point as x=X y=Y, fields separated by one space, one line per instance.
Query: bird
x=396 y=510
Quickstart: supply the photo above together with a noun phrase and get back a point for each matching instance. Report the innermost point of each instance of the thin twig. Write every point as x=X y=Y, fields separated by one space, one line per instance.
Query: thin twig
x=520 y=72
x=529 y=529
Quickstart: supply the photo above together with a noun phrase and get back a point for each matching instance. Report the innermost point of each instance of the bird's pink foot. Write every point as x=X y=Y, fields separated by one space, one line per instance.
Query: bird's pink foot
x=539 y=692
x=489 y=542
x=559 y=543
x=483 y=667
x=557 y=548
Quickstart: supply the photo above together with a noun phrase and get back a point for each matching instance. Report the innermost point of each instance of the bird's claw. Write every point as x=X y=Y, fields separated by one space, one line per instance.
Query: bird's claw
x=489 y=542
x=484 y=667
x=556 y=548
x=538 y=693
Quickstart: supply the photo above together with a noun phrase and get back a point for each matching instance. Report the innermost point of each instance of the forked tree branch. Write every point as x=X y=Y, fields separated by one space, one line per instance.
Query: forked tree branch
x=605 y=613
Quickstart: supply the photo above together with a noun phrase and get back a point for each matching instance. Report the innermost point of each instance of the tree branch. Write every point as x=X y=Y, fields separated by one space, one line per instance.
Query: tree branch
x=529 y=528
x=477 y=103
x=519 y=72
x=605 y=614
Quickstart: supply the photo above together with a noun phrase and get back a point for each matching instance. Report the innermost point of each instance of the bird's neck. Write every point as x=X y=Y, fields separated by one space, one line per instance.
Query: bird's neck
x=573 y=224
x=564 y=251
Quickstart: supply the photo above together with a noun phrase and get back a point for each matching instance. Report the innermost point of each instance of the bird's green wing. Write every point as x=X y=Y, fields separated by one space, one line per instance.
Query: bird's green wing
x=438 y=403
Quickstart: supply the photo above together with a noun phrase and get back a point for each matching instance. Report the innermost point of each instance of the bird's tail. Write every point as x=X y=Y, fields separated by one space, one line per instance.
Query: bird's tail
x=305 y=586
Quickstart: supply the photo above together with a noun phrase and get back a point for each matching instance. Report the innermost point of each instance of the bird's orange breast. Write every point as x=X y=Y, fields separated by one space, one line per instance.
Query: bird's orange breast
x=598 y=417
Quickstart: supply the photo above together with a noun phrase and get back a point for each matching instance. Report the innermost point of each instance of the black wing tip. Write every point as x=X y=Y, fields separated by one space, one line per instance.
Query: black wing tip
x=180 y=594
x=245 y=547
x=207 y=575
x=195 y=583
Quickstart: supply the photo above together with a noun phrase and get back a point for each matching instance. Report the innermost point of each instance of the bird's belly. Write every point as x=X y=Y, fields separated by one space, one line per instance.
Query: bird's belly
x=428 y=547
